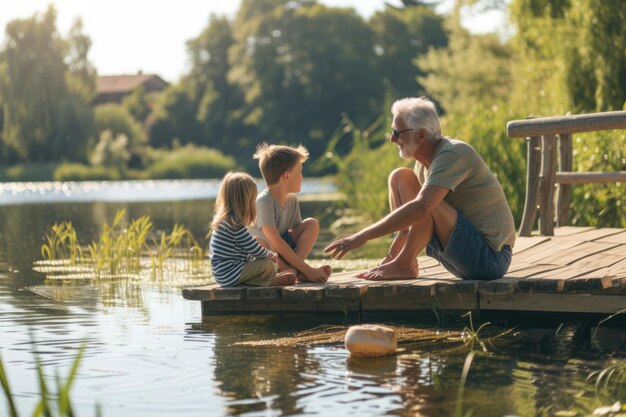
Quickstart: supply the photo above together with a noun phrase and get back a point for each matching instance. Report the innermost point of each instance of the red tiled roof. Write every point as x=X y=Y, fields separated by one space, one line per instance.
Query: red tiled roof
x=122 y=83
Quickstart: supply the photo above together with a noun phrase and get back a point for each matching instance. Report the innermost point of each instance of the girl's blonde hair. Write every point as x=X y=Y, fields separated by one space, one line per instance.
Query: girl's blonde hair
x=235 y=201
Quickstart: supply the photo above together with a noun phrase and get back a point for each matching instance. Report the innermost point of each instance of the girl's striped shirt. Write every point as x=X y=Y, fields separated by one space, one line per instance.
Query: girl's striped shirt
x=230 y=248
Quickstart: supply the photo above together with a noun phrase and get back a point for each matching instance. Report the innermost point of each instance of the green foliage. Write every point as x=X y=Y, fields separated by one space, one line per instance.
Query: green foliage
x=400 y=36
x=45 y=102
x=473 y=71
x=118 y=121
x=62 y=243
x=63 y=403
x=599 y=205
x=362 y=173
x=111 y=151
x=80 y=172
x=189 y=161
x=573 y=55
x=138 y=105
x=121 y=246
x=611 y=381
x=27 y=172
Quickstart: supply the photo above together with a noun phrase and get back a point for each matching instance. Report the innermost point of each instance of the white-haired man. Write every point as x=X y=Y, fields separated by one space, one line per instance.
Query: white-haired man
x=451 y=204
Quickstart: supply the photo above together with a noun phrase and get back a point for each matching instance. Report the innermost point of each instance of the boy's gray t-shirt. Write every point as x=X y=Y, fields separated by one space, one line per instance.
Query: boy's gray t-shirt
x=268 y=211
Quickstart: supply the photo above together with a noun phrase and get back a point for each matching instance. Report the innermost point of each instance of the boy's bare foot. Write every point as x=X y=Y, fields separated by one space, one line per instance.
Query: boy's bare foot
x=390 y=271
x=284 y=278
x=324 y=269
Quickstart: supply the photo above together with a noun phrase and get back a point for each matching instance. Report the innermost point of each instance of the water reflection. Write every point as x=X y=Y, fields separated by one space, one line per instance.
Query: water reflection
x=150 y=353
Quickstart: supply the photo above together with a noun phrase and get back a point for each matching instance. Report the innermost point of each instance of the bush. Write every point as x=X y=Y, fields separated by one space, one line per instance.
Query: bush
x=188 y=162
x=27 y=172
x=80 y=172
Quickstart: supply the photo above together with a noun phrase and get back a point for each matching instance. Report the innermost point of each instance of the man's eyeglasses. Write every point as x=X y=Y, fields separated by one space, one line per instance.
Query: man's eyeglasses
x=395 y=133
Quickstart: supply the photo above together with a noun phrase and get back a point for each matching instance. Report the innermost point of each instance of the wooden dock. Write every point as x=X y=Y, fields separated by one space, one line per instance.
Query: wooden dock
x=580 y=270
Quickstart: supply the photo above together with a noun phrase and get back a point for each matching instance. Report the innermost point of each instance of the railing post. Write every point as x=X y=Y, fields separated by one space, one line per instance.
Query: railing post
x=533 y=161
x=564 y=190
x=546 y=185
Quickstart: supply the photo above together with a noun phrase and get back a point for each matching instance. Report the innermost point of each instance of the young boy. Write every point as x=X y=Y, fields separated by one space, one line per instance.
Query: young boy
x=279 y=225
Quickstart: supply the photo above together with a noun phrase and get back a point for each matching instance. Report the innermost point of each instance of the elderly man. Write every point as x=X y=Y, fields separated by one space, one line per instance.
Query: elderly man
x=451 y=204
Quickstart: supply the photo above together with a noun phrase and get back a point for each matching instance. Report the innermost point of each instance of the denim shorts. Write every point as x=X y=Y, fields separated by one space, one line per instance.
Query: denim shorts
x=468 y=255
x=289 y=239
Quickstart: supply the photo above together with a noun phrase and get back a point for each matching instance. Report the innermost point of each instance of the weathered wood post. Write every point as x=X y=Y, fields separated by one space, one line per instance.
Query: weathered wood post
x=533 y=164
x=546 y=185
x=564 y=190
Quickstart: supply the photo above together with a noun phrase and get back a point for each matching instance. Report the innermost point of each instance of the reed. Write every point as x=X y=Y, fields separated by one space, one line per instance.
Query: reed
x=62 y=244
x=121 y=247
x=46 y=403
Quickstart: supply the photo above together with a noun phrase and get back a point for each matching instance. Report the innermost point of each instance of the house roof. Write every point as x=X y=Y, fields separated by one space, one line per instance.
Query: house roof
x=123 y=83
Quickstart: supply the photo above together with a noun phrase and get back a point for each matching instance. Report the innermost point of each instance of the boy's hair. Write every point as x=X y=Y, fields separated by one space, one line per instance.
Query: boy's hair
x=236 y=200
x=274 y=160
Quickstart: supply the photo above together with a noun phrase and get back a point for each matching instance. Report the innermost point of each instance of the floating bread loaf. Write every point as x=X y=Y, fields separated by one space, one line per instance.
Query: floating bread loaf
x=371 y=340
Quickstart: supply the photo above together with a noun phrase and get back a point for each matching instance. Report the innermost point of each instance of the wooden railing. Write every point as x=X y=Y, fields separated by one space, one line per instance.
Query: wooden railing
x=542 y=135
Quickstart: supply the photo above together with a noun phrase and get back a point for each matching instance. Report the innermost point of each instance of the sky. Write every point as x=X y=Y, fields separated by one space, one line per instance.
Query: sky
x=129 y=36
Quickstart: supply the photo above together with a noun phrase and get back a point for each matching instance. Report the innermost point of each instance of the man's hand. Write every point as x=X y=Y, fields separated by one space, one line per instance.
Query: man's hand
x=340 y=247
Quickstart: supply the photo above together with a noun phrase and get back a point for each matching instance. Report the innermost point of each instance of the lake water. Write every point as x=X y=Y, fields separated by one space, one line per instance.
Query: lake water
x=149 y=352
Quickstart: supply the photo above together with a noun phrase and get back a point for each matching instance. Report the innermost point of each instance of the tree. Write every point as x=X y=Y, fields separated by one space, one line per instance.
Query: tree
x=401 y=36
x=45 y=92
x=301 y=65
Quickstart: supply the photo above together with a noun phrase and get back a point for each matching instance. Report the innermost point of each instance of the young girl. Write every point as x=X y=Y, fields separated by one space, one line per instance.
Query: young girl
x=236 y=257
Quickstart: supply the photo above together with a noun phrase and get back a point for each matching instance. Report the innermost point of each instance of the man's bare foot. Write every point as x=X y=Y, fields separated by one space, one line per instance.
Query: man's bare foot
x=388 y=258
x=390 y=271
x=284 y=278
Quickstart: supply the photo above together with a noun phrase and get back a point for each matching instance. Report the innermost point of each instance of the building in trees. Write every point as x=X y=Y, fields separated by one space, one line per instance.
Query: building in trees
x=114 y=88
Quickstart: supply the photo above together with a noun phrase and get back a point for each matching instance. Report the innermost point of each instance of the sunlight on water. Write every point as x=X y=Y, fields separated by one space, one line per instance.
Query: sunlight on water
x=117 y=191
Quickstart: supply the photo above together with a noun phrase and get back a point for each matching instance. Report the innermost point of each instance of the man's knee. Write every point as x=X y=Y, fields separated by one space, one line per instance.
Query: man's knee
x=402 y=176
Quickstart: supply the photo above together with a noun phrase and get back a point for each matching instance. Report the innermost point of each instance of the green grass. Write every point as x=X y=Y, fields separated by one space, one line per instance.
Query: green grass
x=47 y=406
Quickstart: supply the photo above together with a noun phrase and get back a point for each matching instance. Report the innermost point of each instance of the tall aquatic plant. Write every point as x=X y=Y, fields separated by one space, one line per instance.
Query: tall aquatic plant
x=62 y=244
x=119 y=248
x=45 y=406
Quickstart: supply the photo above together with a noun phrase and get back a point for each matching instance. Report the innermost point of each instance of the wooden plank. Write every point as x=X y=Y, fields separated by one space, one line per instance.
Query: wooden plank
x=564 y=302
x=522 y=243
x=570 y=230
x=554 y=246
x=589 y=280
x=214 y=292
x=263 y=293
x=575 y=123
x=616 y=238
x=566 y=178
x=595 y=234
x=576 y=253
x=303 y=293
x=282 y=305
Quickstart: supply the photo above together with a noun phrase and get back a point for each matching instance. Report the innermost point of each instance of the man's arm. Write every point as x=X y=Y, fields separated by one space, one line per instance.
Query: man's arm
x=405 y=216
